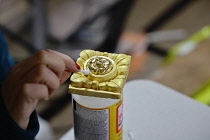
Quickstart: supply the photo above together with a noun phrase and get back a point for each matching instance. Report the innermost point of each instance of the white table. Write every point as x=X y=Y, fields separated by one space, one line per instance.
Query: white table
x=155 y=112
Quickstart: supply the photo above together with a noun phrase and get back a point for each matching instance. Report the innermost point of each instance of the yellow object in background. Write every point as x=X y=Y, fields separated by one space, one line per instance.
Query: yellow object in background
x=187 y=45
x=203 y=94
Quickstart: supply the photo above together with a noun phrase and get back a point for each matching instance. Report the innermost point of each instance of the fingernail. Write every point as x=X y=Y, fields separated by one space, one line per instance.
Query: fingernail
x=78 y=67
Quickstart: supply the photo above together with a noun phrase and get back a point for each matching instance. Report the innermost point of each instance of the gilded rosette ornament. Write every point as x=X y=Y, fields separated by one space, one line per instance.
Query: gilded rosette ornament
x=108 y=74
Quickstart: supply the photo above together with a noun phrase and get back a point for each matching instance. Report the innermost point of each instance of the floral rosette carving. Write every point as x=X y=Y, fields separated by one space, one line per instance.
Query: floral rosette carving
x=108 y=74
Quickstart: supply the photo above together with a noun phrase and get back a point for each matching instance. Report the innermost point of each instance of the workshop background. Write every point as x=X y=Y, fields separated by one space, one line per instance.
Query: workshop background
x=169 y=41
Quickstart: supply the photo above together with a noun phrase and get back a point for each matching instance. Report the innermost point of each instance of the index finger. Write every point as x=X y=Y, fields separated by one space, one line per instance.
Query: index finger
x=70 y=64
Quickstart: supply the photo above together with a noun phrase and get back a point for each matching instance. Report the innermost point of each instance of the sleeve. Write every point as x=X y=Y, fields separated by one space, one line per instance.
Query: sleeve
x=6 y=61
x=9 y=129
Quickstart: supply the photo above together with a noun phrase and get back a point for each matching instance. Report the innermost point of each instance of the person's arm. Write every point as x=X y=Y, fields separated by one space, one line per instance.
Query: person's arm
x=9 y=129
x=26 y=83
x=6 y=61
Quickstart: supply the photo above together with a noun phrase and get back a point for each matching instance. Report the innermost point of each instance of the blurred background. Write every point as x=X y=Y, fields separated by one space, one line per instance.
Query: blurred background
x=169 y=41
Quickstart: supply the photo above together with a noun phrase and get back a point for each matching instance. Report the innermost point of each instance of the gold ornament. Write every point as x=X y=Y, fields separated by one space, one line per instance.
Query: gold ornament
x=108 y=74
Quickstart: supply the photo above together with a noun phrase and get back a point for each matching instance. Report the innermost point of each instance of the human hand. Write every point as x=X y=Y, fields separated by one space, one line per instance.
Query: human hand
x=35 y=78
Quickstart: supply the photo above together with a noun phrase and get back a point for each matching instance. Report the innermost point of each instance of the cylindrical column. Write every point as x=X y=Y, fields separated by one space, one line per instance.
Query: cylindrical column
x=97 y=118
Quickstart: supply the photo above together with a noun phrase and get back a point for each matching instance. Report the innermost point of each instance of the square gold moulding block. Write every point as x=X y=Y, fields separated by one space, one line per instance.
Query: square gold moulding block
x=107 y=77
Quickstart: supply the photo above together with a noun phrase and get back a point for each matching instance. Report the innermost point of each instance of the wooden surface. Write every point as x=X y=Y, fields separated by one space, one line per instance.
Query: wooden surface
x=187 y=73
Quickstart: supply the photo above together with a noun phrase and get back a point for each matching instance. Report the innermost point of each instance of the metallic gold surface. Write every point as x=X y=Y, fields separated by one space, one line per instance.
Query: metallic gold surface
x=108 y=74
